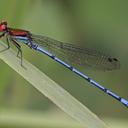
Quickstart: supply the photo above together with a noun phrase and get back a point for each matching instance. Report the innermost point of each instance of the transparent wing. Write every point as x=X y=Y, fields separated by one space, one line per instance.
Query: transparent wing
x=75 y=55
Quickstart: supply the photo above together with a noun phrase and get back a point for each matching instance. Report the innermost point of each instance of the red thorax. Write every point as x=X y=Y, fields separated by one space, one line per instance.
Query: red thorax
x=13 y=32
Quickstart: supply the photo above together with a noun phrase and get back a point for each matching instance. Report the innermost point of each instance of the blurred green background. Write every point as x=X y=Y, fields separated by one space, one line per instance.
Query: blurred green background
x=101 y=24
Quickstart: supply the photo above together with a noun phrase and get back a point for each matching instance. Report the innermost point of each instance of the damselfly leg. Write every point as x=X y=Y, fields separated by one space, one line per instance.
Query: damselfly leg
x=8 y=40
x=19 y=49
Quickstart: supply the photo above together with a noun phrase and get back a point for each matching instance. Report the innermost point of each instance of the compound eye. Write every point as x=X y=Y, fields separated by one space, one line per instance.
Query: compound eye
x=3 y=27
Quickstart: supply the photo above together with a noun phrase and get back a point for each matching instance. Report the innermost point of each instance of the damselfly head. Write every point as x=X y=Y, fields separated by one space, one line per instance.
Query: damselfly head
x=3 y=25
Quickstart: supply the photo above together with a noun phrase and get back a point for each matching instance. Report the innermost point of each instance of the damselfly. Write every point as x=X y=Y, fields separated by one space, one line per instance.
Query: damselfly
x=70 y=53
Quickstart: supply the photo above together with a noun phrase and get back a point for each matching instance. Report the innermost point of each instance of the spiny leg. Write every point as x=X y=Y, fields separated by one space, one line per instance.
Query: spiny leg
x=7 y=40
x=19 y=49
x=2 y=35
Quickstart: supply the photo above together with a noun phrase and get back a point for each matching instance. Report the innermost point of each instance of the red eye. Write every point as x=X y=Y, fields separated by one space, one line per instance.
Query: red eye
x=2 y=27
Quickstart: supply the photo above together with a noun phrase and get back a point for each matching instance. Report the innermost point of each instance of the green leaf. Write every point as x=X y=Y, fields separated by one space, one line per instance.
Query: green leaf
x=51 y=90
